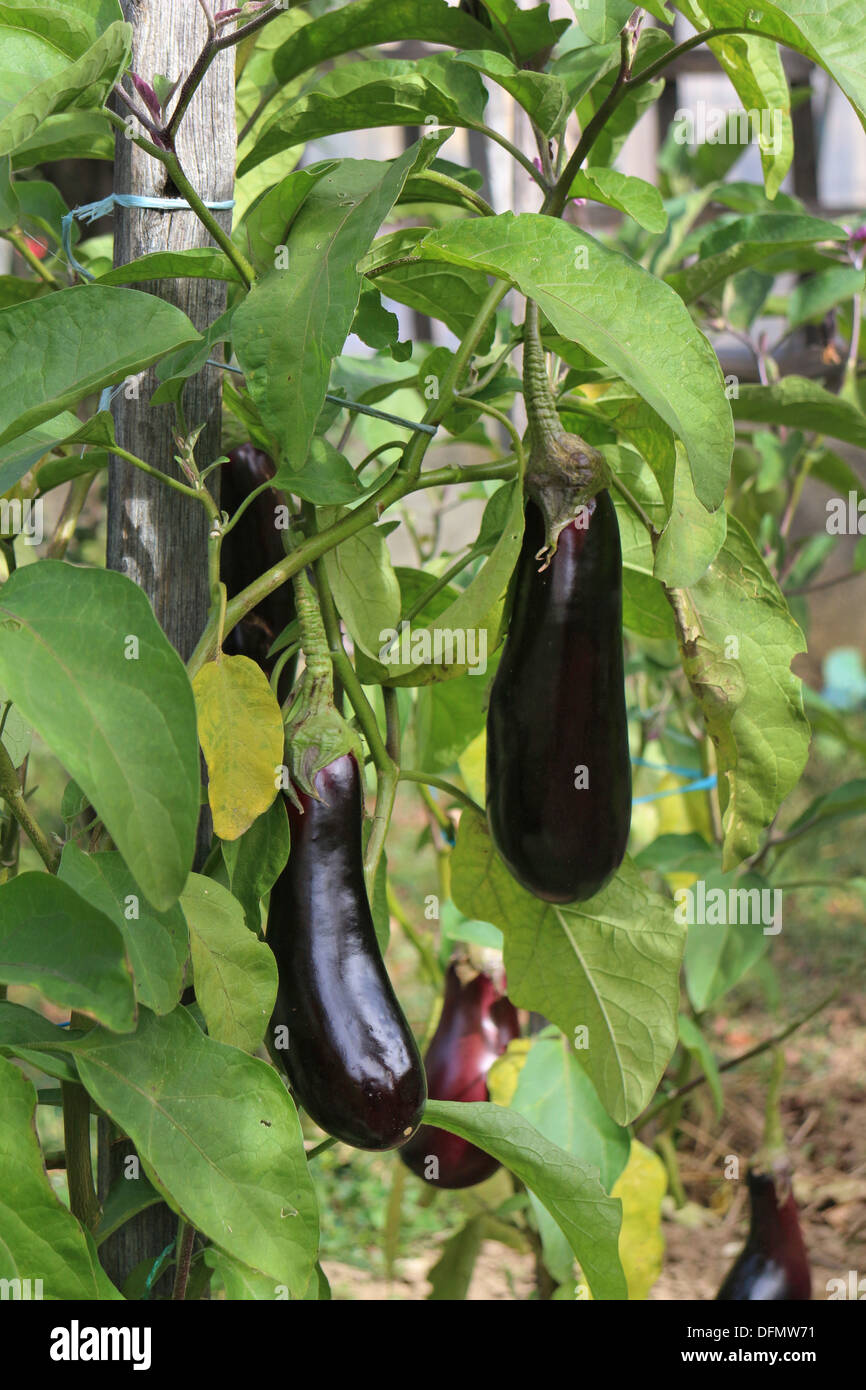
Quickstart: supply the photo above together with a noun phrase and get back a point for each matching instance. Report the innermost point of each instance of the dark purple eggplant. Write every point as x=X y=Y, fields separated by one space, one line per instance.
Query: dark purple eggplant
x=250 y=548
x=351 y=1057
x=773 y=1265
x=558 y=770
x=475 y=1027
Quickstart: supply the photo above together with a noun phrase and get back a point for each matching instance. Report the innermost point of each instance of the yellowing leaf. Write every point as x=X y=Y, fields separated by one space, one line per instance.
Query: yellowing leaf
x=240 y=729
x=503 y=1075
x=640 y=1188
x=473 y=764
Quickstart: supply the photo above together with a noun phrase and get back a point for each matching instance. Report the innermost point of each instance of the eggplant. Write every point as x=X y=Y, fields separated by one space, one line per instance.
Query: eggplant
x=773 y=1265
x=475 y=1027
x=350 y=1056
x=251 y=547
x=558 y=769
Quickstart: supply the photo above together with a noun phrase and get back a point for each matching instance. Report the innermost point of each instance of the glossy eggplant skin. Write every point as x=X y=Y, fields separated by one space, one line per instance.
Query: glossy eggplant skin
x=773 y=1265
x=558 y=705
x=475 y=1027
x=352 y=1060
x=251 y=547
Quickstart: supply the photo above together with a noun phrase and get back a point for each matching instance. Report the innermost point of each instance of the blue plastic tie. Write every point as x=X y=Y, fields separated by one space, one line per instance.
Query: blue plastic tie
x=155 y=1267
x=91 y=212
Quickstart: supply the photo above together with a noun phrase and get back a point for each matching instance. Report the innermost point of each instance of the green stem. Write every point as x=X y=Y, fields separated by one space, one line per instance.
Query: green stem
x=83 y=1200
x=503 y=419
x=515 y=153
x=469 y=196
x=68 y=519
x=419 y=940
x=428 y=779
x=10 y=790
x=405 y=480
x=441 y=583
x=207 y=219
x=16 y=239
x=183 y=1247
x=667 y=1149
x=320 y=1148
x=774 y=1138
x=633 y=503
x=198 y=494
x=544 y=422
x=386 y=766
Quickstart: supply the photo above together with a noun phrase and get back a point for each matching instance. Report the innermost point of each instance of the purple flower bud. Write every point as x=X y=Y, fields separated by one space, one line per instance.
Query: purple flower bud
x=148 y=96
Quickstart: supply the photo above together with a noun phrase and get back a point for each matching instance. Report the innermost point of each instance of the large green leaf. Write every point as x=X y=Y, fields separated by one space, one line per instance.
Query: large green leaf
x=54 y=941
x=801 y=404
x=367 y=22
x=288 y=372
x=718 y=953
x=84 y=658
x=157 y=942
x=625 y=192
x=41 y=87
x=609 y=965
x=728 y=249
x=543 y=96
x=571 y=1192
x=738 y=640
x=557 y=1097
x=218 y=1135
x=365 y=587
x=623 y=315
x=754 y=67
x=235 y=973
x=197 y=263
x=58 y=349
x=256 y=859
x=70 y=135
x=826 y=32
x=39 y=1237
x=380 y=92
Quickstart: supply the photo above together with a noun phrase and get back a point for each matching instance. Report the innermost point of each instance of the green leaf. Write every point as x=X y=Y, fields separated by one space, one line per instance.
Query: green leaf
x=288 y=373
x=448 y=716
x=832 y=807
x=728 y=249
x=365 y=587
x=370 y=22
x=543 y=97
x=73 y=135
x=128 y=738
x=677 y=854
x=752 y=704
x=754 y=68
x=452 y=1273
x=378 y=92
x=690 y=540
x=557 y=1097
x=266 y=225
x=198 y=263
x=610 y=966
x=694 y=1042
x=812 y=297
x=256 y=859
x=63 y=85
x=569 y=1190
x=24 y=1030
x=801 y=404
x=602 y=20
x=240 y=728
x=54 y=941
x=39 y=1237
x=619 y=312
x=156 y=942
x=823 y=33
x=235 y=973
x=474 y=616
x=128 y=1196
x=218 y=1135
x=451 y=293
x=58 y=349
x=625 y=192
x=718 y=955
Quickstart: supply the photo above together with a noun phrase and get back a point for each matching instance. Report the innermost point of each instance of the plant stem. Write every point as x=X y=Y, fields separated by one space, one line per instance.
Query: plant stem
x=428 y=779
x=222 y=239
x=515 y=153
x=83 y=1200
x=210 y=50
x=320 y=1148
x=68 y=519
x=385 y=765
x=667 y=1149
x=633 y=504
x=183 y=1247
x=10 y=790
x=16 y=239
x=503 y=420
x=419 y=940
x=198 y=494
x=733 y=1062
x=469 y=195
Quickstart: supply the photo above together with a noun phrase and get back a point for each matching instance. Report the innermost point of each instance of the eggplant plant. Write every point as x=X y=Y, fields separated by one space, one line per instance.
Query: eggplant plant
x=600 y=608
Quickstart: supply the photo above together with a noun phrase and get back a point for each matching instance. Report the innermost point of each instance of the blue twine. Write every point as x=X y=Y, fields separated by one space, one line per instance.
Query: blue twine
x=155 y=1267
x=91 y=212
x=699 y=785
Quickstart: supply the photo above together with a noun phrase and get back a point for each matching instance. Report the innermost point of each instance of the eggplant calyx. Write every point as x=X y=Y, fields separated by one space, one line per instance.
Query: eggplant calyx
x=316 y=735
x=564 y=475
